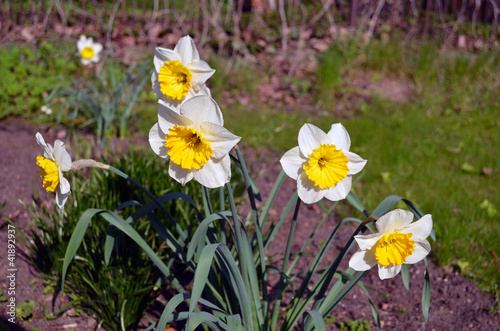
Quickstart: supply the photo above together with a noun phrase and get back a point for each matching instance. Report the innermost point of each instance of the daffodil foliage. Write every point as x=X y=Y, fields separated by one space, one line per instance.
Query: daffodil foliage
x=227 y=253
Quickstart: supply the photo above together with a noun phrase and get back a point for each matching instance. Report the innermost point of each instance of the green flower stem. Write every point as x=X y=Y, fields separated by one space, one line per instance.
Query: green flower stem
x=258 y=231
x=308 y=241
x=149 y=194
x=222 y=228
x=281 y=288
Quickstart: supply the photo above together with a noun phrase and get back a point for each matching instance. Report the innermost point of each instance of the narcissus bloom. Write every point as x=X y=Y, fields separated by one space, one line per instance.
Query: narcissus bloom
x=54 y=161
x=88 y=50
x=397 y=242
x=194 y=140
x=322 y=164
x=180 y=74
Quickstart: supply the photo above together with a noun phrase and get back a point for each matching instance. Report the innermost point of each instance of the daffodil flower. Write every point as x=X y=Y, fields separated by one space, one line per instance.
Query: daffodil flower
x=54 y=161
x=88 y=50
x=194 y=140
x=322 y=164
x=397 y=242
x=180 y=74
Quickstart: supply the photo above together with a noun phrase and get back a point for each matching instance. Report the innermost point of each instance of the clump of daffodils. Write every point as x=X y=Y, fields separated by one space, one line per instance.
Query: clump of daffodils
x=88 y=50
x=195 y=141
x=322 y=164
x=54 y=161
x=397 y=242
x=180 y=74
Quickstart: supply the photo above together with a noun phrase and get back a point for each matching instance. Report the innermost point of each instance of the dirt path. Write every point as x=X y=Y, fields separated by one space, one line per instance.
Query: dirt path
x=456 y=304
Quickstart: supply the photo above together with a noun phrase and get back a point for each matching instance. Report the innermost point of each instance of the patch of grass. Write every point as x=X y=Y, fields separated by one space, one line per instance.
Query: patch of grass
x=28 y=75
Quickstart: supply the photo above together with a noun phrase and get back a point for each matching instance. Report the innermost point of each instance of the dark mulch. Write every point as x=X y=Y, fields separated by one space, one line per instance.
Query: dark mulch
x=456 y=304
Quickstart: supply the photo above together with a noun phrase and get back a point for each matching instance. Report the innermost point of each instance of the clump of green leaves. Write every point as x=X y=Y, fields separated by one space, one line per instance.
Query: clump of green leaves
x=105 y=100
x=28 y=75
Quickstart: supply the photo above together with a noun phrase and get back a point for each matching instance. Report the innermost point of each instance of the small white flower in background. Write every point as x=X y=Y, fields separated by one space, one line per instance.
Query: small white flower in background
x=88 y=50
x=46 y=110
x=195 y=141
x=397 y=242
x=322 y=164
x=54 y=161
x=180 y=74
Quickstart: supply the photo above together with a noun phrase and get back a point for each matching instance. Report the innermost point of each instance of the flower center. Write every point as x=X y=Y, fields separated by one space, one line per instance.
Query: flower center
x=175 y=79
x=187 y=147
x=49 y=173
x=87 y=53
x=327 y=166
x=394 y=248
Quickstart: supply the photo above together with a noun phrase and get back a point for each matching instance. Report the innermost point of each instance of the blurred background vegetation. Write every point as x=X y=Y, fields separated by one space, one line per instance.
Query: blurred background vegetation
x=414 y=82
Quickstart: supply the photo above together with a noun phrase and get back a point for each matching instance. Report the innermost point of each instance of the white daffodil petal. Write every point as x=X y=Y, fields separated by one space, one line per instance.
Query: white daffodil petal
x=201 y=72
x=201 y=109
x=340 y=190
x=204 y=90
x=61 y=198
x=157 y=87
x=307 y=191
x=339 y=137
x=61 y=156
x=180 y=174
x=292 y=163
x=64 y=186
x=389 y=271
x=356 y=163
x=221 y=139
x=47 y=149
x=367 y=241
x=395 y=219
x=420 y=229
x=187 y=50
x=214 y=174
x=157 y=141
x=168 y=117
x=82 y=43
x=163 y=55
x=362 y=260
x=422 y=249
x=310 y=137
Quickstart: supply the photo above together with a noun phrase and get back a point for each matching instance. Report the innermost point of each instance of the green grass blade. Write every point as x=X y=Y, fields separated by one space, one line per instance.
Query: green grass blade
x=354 y=201
x=405 y=275
x=317 y=320
x=76 y=239
x=201 y=274
x=426 y=293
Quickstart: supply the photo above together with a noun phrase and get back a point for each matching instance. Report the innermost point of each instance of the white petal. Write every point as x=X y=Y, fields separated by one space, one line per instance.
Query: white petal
x=310 y=137
x=81 y=43
x=97 y=48
x=422 y=249
x=420 y=229
x=393 y=220
x=204 y=90
x=214 y=173
x=168 y=118
x=362 y=260
x=157 y=141
x=187 y=50
x=355 y=164
x=293 y=162
x=85 y=61
x=62 y=192
x=308 y=192
x=163 y=55
x=47 y=149
x=339 y=137
x=340 y=190
x=201 y=72
x=221 y=139
x=367 y=241
x=180 y=174
x=61 y=156
x=389 y=271
x=201 y=109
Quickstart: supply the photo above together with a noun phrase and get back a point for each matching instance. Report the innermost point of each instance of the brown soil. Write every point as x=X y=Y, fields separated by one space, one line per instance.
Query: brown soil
x=456 y=304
